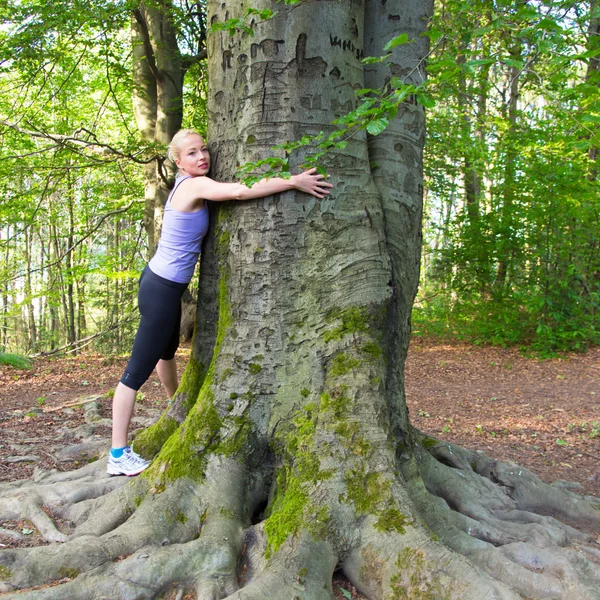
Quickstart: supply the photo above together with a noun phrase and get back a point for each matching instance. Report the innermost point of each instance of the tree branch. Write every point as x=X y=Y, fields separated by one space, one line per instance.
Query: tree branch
x=93 y=145
x=187 y=60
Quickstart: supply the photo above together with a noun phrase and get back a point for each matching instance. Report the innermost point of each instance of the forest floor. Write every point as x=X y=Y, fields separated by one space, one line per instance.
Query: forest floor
x=543 y=415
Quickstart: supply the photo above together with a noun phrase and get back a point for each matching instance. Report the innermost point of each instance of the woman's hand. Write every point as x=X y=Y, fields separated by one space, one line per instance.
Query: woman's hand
x=312 y=183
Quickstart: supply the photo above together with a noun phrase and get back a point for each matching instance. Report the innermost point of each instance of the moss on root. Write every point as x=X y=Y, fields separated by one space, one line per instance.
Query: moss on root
x=184 y=453
x=64 y=572
x=149 y=442
x=5 y=573
x=415 y=578
x=291 y=509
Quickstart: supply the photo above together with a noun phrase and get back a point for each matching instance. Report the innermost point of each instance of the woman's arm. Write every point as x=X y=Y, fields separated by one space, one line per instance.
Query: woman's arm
x=204 y=188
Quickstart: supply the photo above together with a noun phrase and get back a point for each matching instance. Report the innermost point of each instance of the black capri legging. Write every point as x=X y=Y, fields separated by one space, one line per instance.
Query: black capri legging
x=157 y=336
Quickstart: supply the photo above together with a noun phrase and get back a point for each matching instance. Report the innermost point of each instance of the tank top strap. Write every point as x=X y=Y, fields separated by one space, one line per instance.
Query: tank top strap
x=178 y=181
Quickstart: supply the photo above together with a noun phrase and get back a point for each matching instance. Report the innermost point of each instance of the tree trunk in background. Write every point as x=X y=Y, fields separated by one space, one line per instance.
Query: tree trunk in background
x=157 y=101
x=509 y=191
x=593 y=71
x=5 y=321
x=31 y=326
x=70 y=324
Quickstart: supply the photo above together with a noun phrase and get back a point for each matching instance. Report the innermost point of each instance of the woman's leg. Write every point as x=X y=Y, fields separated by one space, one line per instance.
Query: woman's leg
x=166 y=366
x=123 y=403
x=167 y=373
x=160 y=305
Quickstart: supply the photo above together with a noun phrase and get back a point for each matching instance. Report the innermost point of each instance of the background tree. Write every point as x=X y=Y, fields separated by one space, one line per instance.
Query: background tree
x=512 y=213
x=288 y=448
x=72 y=81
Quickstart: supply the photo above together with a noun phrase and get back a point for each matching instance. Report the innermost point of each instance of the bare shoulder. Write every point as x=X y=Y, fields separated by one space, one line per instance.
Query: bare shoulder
x=190 y=194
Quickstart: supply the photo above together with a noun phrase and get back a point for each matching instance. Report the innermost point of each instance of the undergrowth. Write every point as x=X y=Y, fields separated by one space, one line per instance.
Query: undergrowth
x=15 y=360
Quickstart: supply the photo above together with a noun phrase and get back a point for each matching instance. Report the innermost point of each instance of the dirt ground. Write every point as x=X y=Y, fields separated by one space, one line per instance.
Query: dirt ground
x=543 y=415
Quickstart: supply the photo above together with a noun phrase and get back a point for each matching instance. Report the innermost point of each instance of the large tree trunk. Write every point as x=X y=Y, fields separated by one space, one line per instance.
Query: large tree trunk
x=288 y=451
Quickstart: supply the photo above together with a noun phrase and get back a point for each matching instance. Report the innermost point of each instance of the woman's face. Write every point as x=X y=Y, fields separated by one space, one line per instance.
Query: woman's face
x=194 y=158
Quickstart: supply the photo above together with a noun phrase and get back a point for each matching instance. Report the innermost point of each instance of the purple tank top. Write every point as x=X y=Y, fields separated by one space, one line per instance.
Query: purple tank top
x=180 y=239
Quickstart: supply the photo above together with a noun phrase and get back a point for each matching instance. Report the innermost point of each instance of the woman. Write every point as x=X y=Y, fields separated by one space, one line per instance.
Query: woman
x=167 y=275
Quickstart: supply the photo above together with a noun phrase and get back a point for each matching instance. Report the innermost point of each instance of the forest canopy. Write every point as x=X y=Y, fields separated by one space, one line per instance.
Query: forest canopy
x=512 y=207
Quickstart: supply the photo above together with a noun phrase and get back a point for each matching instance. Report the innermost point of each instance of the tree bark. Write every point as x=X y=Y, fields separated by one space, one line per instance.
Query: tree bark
x=593 y=72
x=157 y=100
x=288 y=452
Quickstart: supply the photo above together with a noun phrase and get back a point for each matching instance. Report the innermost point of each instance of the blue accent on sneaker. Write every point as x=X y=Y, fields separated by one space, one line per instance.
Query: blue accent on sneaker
x=118 y=452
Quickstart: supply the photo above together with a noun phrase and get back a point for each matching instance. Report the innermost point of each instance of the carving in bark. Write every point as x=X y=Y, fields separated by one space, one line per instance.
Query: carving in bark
x=288 y=451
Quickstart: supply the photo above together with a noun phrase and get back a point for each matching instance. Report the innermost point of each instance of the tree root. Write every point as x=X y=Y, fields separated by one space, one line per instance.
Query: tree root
x=53 y=491
x=506 y=520
x=175 y=516
x=136 y=541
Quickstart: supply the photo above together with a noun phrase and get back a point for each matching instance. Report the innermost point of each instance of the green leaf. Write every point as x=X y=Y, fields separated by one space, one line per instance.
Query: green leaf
x=345 y=593
x=562 y=442
x=479 y=62
x=433 y=34
x=369 y=60
x=397 y=41
x=377 y=126
x=26 y=531
x=511 y=62
x=425 y=100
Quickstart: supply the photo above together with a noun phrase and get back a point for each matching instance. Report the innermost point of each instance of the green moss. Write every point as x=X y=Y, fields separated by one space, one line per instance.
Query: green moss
x=415 y=579
x=342 y=364
x=336 y=404
x=223 y=241
x=391 y=519
x=429 y=442
x=226 y=512
x=5 y=573
x=149 y=442
x=291 y=510
x=179 y=517
x=183 y=454
x=373 y=349
x=353 y=320
x=366 y=490
x=138 y=500
x=254 y=368
x=347 y=429
x=305 y=393
x=233 y=396
x=225 y=374
x=237 y=440
x=68 y=573
x=192 y=381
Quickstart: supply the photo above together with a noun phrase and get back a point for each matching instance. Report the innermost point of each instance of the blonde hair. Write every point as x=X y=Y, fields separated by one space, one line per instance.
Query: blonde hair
x=173 y=149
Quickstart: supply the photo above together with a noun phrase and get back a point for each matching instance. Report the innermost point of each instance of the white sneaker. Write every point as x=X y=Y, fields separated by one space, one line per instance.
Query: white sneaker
x=129 y=463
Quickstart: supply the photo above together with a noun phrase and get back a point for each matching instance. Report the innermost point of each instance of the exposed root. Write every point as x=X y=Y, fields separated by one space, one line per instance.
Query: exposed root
x=175 y=516
x=500 y=515
x=55 y=492
x=143 y=575
x=303 y=570
x=412 y=565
